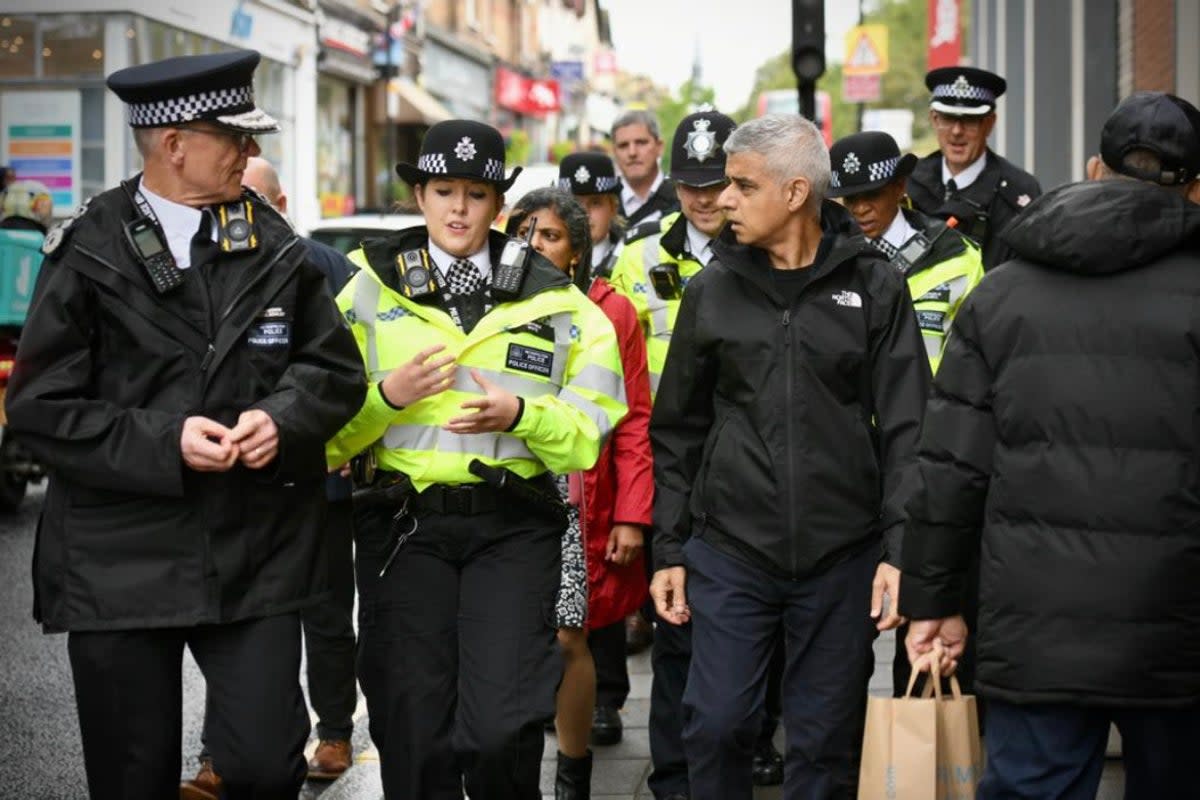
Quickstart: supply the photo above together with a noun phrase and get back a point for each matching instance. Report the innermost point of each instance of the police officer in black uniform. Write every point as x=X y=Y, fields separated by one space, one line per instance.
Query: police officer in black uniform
x=181 y=368
x=965 y=179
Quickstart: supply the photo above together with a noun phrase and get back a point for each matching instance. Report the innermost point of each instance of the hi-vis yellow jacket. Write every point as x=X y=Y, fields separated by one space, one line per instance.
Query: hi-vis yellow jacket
x=644 y=249
x=551 y=346
x=940 y=280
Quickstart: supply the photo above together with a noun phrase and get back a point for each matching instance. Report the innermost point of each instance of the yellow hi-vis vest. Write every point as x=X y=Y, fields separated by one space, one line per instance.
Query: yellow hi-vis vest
x=631 y=277
x=938 y=291
x=554 y=348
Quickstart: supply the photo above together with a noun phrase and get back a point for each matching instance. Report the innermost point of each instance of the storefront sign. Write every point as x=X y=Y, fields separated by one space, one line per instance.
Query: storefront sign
x=345 y=37
x=40 y=141
x=534 y=96
x=566 y=71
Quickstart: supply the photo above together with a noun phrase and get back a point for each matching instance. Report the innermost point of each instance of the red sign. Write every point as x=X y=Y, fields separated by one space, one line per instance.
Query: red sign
x=535 y=96
x=862 y=88
x=604 y=62
x=944 y=36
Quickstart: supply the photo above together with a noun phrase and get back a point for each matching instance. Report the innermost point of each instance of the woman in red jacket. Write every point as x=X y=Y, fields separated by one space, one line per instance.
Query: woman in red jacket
x=613 y=499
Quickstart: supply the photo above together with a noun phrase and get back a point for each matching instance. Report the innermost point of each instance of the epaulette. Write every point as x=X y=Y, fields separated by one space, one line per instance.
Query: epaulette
x=59 y=234
x=1013 y=195
x=642 y=230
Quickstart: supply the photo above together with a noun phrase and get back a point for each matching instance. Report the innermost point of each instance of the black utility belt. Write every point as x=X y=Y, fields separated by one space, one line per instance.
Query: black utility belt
x=499 y=488
x=468 y=499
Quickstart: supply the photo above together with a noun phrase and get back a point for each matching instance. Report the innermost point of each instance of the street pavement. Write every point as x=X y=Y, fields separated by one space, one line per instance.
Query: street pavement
x=41 y=757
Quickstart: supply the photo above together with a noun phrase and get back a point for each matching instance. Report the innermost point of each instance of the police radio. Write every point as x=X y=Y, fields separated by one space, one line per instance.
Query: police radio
x=510 y=273
x=235 y=223
x=152 y=251
x=666 y=281
x=918 y=245
x=416 y=278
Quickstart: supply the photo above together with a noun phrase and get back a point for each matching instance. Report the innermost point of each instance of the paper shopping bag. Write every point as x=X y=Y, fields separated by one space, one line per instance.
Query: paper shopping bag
x=921 y=748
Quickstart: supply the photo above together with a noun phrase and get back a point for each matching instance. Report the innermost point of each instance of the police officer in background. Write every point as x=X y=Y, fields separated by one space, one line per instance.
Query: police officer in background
x=180 y=371
x=646 y=195
x=658 y=261
x=591 y=178
x=965 y=179
x=489 y=369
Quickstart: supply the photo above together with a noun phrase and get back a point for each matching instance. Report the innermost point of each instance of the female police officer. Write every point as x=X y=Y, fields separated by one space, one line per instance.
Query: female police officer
x=486 y=361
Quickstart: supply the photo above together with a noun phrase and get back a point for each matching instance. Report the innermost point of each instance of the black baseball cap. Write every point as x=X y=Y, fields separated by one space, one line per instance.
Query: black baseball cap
x=1162 y=123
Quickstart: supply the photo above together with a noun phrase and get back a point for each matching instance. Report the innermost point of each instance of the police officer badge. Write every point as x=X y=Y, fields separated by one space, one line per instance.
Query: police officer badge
x=701 y=142
x=465 y=149
x=582 y=175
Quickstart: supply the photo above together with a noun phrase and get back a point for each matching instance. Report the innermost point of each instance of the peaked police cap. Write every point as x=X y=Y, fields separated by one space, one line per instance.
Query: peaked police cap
x=217 y=87
x=460 y=148
x=964 y=91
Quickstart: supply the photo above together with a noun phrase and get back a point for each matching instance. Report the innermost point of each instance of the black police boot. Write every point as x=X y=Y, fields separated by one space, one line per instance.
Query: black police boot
x=606 y=726
x=768 y=765
x=573 y=780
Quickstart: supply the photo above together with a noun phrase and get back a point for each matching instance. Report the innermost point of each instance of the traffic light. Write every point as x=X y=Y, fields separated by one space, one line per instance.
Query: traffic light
x=808 y=50
x=808 y=39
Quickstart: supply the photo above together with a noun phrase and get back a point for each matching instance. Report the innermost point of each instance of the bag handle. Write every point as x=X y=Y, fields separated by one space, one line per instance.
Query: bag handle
x=933 y=686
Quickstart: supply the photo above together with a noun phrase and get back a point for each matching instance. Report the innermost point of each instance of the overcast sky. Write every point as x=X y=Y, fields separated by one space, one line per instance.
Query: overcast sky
x=658 y=38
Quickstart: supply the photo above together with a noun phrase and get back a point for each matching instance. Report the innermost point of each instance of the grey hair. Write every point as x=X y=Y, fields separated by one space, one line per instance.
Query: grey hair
x=568 y=209
x=146 y=139
x=792 y=147
x=637 y=116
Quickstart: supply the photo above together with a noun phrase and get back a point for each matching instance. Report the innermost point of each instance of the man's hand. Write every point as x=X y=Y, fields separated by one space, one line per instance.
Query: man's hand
x=948 y=634
x=492 y=413
x=207 y=446
x=670 y=598
x=420 y=378
x=887 y=582
x=257 y=438
x=624 y=542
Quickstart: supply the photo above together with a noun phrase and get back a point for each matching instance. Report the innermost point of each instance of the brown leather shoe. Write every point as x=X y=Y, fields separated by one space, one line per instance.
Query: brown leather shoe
x=330 y=761
x=205 y=786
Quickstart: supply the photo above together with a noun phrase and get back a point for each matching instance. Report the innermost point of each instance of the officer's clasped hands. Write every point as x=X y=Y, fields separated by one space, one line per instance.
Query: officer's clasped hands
x=207 y=446
x=256 y=438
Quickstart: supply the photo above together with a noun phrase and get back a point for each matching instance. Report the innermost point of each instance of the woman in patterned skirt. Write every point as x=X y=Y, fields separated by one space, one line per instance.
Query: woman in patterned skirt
x=602 y=569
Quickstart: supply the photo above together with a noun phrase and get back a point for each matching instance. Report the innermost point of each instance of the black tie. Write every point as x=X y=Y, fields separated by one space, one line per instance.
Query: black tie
x=951 y=190
x=203 y=249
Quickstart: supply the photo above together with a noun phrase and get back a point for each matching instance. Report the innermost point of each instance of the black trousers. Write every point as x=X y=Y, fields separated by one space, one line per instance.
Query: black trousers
x=329 y=632
x=612 y=670
x=129 y=693
x=458 y=656
x=328 y=636
x=737 y=611
x=670 y=656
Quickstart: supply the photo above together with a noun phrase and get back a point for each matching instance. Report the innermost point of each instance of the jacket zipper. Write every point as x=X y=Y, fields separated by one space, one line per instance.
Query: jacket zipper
x=791 y=451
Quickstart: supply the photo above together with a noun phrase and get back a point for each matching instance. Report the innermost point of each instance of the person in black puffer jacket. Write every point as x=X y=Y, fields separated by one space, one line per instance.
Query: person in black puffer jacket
x=1062 y=439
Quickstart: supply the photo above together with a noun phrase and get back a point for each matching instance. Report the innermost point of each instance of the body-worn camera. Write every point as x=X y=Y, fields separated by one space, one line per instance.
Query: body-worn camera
x=235 y=223
x=666 y=281
x=152 y=252
x=416 y=277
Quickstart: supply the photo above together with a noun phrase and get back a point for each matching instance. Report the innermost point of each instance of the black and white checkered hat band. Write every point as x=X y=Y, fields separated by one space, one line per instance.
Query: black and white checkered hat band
x=963 y=91
x=432 y=162
x=877 y=171
x=834 y=180
x=601 y=184
x=204 y=105
x=435 y=164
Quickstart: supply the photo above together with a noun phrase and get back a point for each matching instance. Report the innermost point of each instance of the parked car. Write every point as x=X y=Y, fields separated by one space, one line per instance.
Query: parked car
x=345 y=234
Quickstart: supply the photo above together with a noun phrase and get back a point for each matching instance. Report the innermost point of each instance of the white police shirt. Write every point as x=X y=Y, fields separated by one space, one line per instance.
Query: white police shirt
x=179 y=223
x=899 y=231
x=482 y=259
x=630 y=201
x=699 y=245
x=968 y=176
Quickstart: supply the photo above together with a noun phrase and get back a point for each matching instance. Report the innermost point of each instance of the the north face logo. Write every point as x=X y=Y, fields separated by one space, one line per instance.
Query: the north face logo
x=848 y=298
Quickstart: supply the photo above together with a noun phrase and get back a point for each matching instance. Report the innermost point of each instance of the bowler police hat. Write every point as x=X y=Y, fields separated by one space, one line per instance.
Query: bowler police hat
x=864 y=162
x=588 y=173
x=460 y=148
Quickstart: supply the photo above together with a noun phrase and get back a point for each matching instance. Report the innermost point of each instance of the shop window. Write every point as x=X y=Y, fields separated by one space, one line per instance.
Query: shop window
x=335 y=147
x=18 y=47
x=72 y=46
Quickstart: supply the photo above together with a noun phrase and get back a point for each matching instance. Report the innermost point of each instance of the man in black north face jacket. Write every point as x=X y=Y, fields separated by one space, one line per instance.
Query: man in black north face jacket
x=783 y=431
x=1063 y=439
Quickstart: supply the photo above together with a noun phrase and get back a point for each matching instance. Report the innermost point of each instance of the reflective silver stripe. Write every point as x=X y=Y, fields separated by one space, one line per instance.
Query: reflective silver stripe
x=660 y=319
x=366 y=303
x=562 y=323
x=597 y=414
x=655 y=379
x=524 y=387
x=658 y=308
x=600 y=380
x=426 y=438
